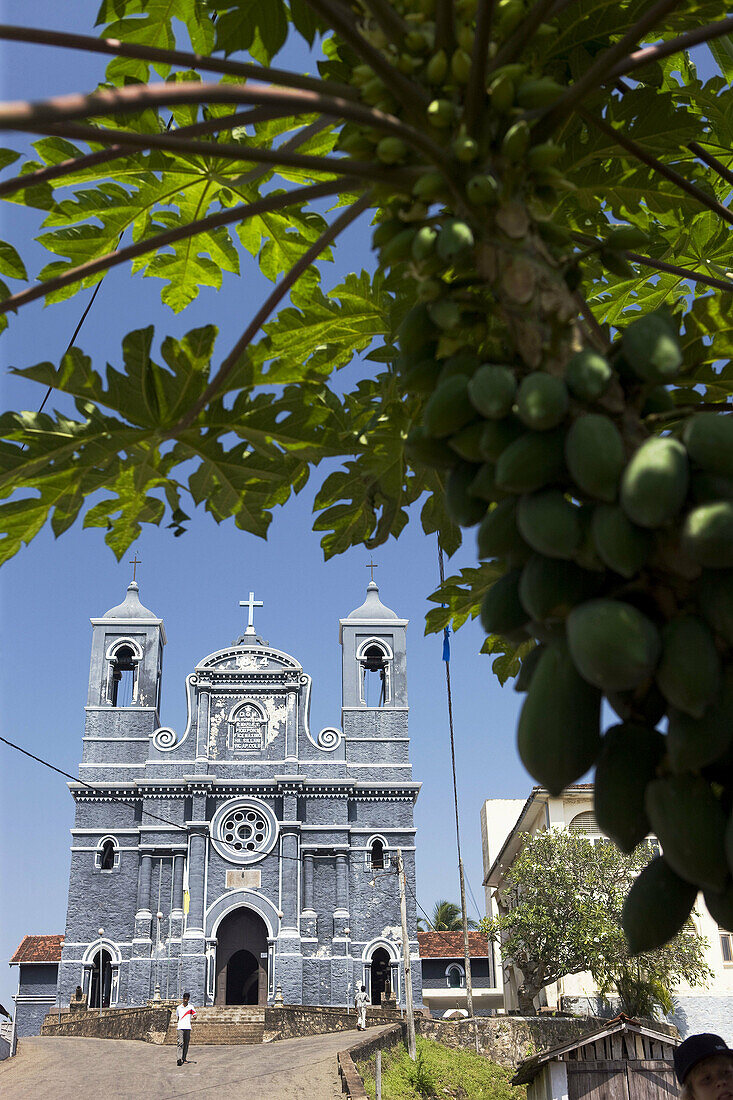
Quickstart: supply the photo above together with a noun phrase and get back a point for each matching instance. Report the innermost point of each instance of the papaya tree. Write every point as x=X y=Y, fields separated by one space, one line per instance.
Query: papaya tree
x=545 y=335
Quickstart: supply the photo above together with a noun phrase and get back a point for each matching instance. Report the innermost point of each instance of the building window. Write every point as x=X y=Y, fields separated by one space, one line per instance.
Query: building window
x=455 y=976
x=586 y=823
x=374 y=657
x=244 y=831
x=122 y=677
x=107 y=855
x=377 y=855
x=726 y=946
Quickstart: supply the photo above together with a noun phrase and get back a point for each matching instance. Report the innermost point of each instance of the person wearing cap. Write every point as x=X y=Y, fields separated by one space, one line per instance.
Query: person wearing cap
x=704 y=1068
x=185 y=1013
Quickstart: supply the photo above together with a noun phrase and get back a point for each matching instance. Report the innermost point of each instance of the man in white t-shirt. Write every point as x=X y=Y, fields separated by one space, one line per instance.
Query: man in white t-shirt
x=185 y=1013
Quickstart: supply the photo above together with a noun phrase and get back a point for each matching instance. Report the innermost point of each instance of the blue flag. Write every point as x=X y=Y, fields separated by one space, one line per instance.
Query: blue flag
x=446 y=643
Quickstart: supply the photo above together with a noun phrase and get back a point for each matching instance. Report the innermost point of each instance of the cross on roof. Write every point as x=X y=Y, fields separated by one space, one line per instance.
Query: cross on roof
x=134 y=563
x=251 y=604
x=372 y=566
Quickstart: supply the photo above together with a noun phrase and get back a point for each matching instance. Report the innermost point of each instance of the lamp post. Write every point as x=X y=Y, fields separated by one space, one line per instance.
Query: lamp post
x=101 y=933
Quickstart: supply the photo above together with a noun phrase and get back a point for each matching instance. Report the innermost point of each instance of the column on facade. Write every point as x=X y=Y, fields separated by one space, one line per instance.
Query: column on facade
x=289 y=903
x=308 y=882
x=342 y=882
x=202 y=731
x=144 y=881
x=196 y=866
x=178 y=882
x=291 y=727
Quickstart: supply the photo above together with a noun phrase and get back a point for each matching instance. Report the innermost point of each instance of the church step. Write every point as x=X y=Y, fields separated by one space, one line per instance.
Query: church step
x=223 y=1025
x=228 y=1035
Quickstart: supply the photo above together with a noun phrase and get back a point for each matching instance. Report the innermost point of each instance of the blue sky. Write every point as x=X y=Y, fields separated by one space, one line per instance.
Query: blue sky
x=52 y=588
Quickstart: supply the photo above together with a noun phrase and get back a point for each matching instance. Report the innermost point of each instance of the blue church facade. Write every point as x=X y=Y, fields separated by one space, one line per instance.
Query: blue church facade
x=246 y=854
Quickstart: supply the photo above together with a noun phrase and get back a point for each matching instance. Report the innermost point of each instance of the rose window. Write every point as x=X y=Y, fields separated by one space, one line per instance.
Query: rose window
x=244 y=831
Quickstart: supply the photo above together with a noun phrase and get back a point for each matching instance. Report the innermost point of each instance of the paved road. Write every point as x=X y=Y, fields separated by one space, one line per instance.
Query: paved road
x=118 y=1069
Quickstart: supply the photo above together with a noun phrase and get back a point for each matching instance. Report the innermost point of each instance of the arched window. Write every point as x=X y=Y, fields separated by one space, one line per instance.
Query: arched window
x=455 y=976
x=107 y=855
x=586 y=823
x=122 y=677
x=376 y=854
x=375 y=658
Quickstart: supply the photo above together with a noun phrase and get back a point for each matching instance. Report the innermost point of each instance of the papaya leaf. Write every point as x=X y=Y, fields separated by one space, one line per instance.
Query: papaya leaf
x=150 y=23
x=507 y=665
x=460 y=597
x=258 y=27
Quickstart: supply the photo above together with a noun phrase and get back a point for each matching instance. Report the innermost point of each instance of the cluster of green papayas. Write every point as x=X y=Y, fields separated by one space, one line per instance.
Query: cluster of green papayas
x=616 y=543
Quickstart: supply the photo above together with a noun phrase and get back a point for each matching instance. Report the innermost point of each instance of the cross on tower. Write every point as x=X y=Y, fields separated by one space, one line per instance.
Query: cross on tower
x=134 y=563
x=372 y=566
x=251 y=604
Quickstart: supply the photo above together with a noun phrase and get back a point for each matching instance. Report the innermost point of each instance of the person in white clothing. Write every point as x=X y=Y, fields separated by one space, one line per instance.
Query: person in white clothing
x=360 y=1004
x=185 y=1013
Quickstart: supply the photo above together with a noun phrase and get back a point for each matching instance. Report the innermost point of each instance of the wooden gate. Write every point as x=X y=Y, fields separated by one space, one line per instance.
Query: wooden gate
x=621 y=1080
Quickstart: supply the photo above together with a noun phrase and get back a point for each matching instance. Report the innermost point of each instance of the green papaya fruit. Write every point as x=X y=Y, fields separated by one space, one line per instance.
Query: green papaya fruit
x=542 y=401
x=501 y=609
x=416 y=330
x=620 y=544
x=527 y=668
x=619 y=784
x=454 y=240
x=423 y=376
x=588 y=375
x=627 y=236
x=594 y=455
x=720 y=907
x=715 y=597
x=516 y=141
x=465 y=148
x=544 y=155
x=656 y=907
x=423 y=243
x=689 y=821
x=502 y=92
x=484 y=484
x=498 y=534
x=482 y=190
x=651 y=348
x=707 y=534
x=586 y=555
x=449 y=409
x=437 y=68
x=693 y=743
x=492 y=390
x=559 y=726
x=708 y=437
x=689 y=671
x=510 y=13
x=549 y=523
x=466 y=442
x=445 y=313
x=614 y=646
x=463 y=508
x=422 y=448
x=658 y=400
x=460 y=65
x=532 y=461
x=654 y=484
x=391 y=150
x=398 y=248
x=385 y=231
x=550 y=588
x=429 y=186
x=463 y=362
x=538 y=92
x=497 y=435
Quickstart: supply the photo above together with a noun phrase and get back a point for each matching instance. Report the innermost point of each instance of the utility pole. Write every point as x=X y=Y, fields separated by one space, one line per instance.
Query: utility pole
x=411 y=1046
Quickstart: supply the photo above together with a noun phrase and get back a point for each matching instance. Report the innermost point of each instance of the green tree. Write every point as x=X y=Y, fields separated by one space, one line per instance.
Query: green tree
x=560 y=913
x=445 y=917
x=545 y=341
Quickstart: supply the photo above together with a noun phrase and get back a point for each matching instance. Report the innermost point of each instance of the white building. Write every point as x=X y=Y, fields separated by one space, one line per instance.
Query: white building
x=503 y=820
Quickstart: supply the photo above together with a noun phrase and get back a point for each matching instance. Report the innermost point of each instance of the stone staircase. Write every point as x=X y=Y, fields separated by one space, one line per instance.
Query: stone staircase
x=223 y=1025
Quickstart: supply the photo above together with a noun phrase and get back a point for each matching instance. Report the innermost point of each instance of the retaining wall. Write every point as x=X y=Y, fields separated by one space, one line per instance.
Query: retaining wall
x=148 y=1023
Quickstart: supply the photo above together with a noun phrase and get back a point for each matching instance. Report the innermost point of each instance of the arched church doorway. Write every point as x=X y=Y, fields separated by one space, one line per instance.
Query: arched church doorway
x=380 y=974
x=241 y=959
x=103 y=964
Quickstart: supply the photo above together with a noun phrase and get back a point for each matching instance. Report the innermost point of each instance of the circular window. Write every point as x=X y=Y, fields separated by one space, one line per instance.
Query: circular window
x=244 y=831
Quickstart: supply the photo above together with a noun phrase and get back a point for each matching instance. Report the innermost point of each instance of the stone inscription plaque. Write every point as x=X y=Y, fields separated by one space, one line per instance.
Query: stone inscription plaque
x=248 y=879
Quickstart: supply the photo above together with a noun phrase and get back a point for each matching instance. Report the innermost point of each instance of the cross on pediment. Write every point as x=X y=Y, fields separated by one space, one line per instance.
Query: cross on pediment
x=251 y=604
x=372 y=566
x=134 y=563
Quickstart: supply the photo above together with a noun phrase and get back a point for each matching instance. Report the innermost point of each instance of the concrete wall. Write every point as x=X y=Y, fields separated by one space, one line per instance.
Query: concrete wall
x=149 y=1024
x=35 y=997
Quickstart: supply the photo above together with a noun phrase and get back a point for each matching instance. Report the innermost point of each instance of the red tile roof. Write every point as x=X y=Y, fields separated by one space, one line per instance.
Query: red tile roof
x=39 y=949
x=449 y=945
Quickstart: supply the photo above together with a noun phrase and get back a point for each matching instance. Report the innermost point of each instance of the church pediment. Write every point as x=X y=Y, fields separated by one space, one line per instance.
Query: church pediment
x=249 y=660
